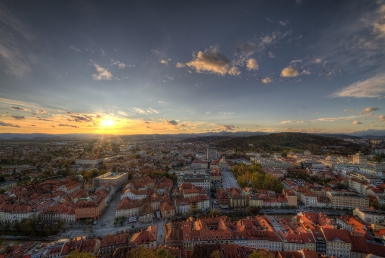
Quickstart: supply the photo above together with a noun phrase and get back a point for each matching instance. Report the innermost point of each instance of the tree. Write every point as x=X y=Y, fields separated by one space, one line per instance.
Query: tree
x=163 y=253
x=214 y=213
x=216 y=254
x=141 y=252
x=374 y=203
x=261 y=254
x=75 y=254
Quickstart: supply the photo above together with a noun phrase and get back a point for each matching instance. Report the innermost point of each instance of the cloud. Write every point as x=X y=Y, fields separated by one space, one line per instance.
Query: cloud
x=289 y=72
x=152 y=111
x=16 y=43
x=295 y=61
x=370 y=109
x=317 y=60
x=234 y=71
x=138 y=110
x=103 y=74
x=266 y=80
x=74 y=126
x=208 y=113
x=42 y=112
x=284 y=23
x=371 y=88
x=226 y=113
x=180 y=65
x=172 y=122
x=18 y=117
x=291 y=122
x=21 y=109
x=305 y=72
x=247 y=48
x=252 y=64
x=162 y=61
x=8 y=124
x=381 y=118
x=271 y=55
x=103 y=53
x=355 y=122
x=44 y=119
x=120 y=65
x=332 y=119
x=75 y=48
x=80 y=117
x=212 y=61
x=228 y=127
x=272 y=38
x=379 y=25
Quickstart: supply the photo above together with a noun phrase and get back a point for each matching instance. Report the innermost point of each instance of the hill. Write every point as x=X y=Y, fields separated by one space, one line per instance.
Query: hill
x=278 y=142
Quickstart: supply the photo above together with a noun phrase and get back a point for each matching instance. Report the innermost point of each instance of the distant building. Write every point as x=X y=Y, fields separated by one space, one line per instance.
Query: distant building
x=116 y=179
x=360 y=159
x=89 y=161
x=201 y=179
x=212 y=153
x=8 y=185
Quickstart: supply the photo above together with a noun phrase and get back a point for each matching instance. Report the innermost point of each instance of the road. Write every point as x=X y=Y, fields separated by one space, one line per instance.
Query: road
x=228 y=180
x=108 y=217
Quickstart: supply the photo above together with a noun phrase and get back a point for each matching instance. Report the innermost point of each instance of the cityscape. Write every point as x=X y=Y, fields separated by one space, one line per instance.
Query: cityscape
x=202 y=129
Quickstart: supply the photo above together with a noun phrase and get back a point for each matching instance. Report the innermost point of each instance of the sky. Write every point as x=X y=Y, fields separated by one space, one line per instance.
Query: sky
x=167 y=67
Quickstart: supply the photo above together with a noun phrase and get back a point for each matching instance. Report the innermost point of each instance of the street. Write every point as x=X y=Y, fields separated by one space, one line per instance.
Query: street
x=228 y=180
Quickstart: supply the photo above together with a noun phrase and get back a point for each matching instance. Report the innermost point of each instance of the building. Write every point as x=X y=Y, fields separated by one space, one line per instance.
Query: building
x=370 y=216
x=93 y=162
x=7 y=185
x=146 y=238
x=116 y=179
x=291 y=198
x=237 y=198
x=197 y=178
x=110 y=242
x=347 y=200
x=90 y=208
x=212 y=153
x=338 y=243
x=360 y=159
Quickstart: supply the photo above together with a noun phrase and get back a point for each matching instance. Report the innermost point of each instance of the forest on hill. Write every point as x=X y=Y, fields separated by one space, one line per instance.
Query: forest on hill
x=283 y=142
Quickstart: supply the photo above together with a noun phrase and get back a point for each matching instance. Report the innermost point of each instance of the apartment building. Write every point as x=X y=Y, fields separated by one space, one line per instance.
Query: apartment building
x=347 y=200
x=370 y=216
x=116 y=179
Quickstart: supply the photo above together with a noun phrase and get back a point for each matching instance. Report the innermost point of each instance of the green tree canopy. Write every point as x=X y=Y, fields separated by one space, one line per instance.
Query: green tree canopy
x=75 y=254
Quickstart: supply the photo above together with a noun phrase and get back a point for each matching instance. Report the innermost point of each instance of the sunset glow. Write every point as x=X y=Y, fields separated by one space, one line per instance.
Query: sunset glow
x=187 y=67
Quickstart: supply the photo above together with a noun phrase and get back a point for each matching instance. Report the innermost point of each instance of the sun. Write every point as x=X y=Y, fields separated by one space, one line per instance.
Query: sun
x=108 y=122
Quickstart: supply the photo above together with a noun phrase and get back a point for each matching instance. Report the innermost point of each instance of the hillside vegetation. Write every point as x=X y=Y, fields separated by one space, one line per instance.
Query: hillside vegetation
x=280 y=142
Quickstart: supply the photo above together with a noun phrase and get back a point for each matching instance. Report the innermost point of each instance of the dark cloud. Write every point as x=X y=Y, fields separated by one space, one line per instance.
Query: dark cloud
x=44 y=119
x=20 y=108
x=8 y=124
x=18 y=117
x=42 y=112
x=228 y=127
x=80 y=118
x=74 y=126
x=172 y=122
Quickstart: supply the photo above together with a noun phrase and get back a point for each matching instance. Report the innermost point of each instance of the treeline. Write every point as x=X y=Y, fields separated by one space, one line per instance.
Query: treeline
x=254 y=176
x=279 y=142
x=35 y=226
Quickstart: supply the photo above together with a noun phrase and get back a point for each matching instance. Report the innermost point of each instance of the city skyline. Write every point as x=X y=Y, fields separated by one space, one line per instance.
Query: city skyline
x=144 y=67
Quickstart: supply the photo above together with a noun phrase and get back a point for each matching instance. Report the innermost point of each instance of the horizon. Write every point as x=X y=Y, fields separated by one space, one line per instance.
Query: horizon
x=173 y=67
